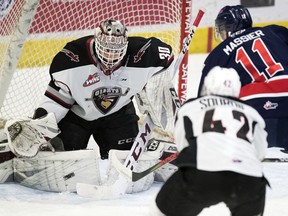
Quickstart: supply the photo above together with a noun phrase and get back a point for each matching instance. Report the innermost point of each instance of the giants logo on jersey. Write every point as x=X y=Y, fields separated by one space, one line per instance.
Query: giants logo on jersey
x=141 y=52
x=105 y=98
x=71 y=55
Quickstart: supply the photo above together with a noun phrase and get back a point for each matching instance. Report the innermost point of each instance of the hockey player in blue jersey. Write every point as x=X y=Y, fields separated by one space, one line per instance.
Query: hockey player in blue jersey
x=259 y=55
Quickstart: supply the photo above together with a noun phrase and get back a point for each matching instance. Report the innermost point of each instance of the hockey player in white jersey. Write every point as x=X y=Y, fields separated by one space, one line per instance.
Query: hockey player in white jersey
x=222 y=142
x=93 y=82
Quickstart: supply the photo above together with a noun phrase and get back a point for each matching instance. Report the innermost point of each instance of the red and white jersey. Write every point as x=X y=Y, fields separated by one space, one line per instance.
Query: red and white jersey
x=78 y=82
x=217 y=133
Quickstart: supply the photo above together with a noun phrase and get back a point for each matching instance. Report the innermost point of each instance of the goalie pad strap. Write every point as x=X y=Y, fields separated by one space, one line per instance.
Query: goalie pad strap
x=58 y=172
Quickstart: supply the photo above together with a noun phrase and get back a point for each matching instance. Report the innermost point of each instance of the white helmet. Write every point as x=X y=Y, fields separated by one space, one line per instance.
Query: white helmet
x=222 y=81
x=111 y=43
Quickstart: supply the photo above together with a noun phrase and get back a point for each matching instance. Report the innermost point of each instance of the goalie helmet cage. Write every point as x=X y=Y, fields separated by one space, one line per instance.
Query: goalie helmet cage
x=33 y=31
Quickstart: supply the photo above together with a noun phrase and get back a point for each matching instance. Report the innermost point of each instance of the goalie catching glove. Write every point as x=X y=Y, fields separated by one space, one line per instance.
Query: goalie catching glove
x=26 y=136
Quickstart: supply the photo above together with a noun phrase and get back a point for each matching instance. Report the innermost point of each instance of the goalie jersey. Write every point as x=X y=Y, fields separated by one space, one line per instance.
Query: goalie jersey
x=220 y=134
x=78 y=83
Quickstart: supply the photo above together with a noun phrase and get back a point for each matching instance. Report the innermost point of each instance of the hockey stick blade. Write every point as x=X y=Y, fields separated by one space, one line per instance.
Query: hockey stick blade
x=279 y=160
x=138 y=175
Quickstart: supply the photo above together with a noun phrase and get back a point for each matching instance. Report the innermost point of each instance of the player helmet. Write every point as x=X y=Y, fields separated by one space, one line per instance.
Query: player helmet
x=111 y=43
x=231 y=19
x=222 y=81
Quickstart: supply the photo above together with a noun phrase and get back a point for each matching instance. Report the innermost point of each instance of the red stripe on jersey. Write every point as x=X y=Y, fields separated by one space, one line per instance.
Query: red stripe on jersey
x=57 y=100
x=264 y=88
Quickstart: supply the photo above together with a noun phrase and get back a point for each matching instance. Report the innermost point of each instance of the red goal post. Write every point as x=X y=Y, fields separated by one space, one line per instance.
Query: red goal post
x=33 y=31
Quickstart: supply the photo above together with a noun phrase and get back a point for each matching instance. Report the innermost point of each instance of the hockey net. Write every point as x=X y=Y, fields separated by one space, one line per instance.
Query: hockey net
x=33 y=31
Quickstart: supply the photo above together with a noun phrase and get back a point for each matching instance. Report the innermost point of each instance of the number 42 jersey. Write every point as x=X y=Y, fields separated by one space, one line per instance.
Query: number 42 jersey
x=217 y=133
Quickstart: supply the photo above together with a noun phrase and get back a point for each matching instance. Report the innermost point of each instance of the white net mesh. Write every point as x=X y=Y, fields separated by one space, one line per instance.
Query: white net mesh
x=55 y=23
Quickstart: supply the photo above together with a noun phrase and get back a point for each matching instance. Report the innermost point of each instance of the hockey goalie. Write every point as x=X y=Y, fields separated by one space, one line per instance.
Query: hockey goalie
x=93 y=82
x=41 y=163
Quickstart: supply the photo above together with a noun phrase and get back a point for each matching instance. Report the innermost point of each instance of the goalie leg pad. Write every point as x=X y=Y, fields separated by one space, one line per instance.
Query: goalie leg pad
x=58 y=172
x=147 y=160
x=164 y=172
x=6 y=171
x=144 y=183
x=6 y=161
x=6 y=166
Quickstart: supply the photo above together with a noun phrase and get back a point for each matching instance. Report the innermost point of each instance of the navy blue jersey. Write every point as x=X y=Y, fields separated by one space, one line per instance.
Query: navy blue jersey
x=259 y=55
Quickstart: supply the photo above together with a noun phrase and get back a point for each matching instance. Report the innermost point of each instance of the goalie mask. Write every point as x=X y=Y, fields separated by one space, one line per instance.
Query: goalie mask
x=111 y=43
x=231 y=19
x=222 y=81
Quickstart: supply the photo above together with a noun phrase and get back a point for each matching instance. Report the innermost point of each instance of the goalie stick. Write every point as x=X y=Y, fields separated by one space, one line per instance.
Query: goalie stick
x=175 y=98
x=188 y=39
x=176 y=101
x=138 y=175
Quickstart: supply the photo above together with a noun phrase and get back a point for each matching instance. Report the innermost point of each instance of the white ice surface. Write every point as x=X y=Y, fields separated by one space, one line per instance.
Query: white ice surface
x=16 y=200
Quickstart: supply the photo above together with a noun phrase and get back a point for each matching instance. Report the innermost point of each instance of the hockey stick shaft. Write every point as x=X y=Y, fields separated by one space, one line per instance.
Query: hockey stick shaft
x=188 y=39
x=185 y=47
x=140 y=142
x=138 y=175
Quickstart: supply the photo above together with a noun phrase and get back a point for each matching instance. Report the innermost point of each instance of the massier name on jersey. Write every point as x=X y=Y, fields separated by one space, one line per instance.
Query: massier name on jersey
x=240 y=40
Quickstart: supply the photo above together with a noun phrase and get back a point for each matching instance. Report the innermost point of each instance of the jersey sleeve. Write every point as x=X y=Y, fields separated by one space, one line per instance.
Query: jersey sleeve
x=57 y=97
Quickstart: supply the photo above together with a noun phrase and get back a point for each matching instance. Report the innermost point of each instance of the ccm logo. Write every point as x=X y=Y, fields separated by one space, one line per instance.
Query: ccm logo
x=128 y=140
x=140 y=145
